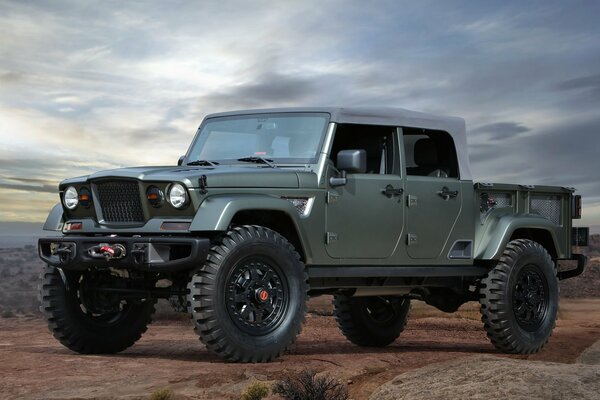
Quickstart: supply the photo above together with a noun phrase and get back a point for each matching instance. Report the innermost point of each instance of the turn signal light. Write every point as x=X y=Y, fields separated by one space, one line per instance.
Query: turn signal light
x=73 y=226
x=155 y=196
x=175 y=226
x=85 y=197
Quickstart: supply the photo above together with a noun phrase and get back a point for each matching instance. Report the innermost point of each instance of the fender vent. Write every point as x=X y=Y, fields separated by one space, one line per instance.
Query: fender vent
x=462 y=249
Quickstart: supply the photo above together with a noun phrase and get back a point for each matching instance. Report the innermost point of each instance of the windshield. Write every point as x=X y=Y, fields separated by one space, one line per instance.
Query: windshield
x=281 y=138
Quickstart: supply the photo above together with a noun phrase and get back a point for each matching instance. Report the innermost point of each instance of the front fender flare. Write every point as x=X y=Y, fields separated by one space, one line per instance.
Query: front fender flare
x=55 y=220
x=216 y=212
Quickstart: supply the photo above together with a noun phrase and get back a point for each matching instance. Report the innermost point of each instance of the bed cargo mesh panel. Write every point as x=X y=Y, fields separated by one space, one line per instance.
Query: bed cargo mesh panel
x=120 y=201
x=502 y=199
x=491 y=200
x=547 y=206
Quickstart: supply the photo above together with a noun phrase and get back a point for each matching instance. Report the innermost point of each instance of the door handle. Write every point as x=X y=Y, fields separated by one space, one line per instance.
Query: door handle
x=390 y=191
x=446 y=193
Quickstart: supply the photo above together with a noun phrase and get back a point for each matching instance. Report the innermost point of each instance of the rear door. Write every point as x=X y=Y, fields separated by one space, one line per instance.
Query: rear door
x=433 y=192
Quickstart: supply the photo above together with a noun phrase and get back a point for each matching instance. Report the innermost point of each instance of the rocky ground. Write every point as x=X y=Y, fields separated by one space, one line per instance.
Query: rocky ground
x=487 y=377
x=35 y=366
x=438 y=356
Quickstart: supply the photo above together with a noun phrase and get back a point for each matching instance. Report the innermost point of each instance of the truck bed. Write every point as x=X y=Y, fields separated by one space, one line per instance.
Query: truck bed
x=542 y=213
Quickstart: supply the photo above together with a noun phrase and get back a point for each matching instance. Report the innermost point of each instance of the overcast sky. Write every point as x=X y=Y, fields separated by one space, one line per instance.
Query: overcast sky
x=94 y=85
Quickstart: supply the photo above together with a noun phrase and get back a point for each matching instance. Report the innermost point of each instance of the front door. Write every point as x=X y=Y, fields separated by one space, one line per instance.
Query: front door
x=362 y=220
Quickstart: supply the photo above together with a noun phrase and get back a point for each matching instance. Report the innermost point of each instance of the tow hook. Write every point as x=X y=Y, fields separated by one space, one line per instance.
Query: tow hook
x=107 y=251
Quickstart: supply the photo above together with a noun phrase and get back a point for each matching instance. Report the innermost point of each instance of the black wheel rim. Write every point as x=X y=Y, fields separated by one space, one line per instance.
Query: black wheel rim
x=530 y=298
x=383 y=311
x=256 y=296
x=101 y=309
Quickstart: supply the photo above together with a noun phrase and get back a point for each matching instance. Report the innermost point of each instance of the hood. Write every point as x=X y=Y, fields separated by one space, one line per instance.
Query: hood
x=219 y=176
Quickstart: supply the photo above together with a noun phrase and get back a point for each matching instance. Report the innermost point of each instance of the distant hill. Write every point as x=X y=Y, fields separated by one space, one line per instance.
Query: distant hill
x=19 y=234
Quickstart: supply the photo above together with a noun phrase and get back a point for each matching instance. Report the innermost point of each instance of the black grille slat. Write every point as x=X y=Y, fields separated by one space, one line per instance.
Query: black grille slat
x=120 y=202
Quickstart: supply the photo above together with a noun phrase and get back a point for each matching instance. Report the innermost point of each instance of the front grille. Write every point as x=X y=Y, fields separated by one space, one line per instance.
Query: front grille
x=120 y=202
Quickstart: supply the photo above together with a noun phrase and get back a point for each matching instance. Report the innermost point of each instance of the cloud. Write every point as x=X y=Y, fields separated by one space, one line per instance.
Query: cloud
x=10 y=77
x=585 y=82
x=88 y=86
x=563 y=155
x=587 y=87
x=501 y=130
x=26 y=206
x=33 y=185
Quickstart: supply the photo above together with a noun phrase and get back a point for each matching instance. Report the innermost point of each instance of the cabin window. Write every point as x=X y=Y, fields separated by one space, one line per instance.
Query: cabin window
x=377 y=141
x=429 y=153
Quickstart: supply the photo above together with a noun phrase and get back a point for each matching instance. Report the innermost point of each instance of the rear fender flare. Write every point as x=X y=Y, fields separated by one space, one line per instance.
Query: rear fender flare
x=499 y=231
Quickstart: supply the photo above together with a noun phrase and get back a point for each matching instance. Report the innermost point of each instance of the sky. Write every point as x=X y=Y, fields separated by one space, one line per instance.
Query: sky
x=86 y=86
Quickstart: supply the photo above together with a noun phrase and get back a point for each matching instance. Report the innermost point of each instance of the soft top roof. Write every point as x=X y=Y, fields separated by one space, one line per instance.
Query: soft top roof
x=383 y=116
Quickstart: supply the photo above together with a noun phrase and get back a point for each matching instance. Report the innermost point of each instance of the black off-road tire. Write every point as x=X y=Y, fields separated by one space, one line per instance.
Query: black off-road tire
x=519 y=298
x=226 y=295
x=76 y=328
x=371 y=321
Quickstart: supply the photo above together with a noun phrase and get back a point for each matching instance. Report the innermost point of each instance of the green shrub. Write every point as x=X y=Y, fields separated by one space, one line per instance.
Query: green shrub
x=255 y=391
x=8 y=314
x=305 y=385
x=162 y=394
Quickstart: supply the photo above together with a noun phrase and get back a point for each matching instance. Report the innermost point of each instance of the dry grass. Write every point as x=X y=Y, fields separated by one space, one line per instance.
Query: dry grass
x=256 y=391
x=162 y=394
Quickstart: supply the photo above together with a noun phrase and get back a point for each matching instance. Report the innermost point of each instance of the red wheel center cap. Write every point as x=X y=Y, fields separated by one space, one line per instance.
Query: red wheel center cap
x=262 y=295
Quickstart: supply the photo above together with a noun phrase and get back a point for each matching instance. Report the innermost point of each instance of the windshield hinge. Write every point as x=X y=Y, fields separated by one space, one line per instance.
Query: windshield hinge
x=332 y=197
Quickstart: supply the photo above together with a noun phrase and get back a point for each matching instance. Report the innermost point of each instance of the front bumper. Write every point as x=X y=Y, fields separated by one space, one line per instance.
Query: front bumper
x=145 y=253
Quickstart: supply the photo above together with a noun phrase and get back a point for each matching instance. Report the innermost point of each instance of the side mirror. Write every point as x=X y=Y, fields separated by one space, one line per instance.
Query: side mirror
x=349 y=161
x=180 y=161
x=352 y=161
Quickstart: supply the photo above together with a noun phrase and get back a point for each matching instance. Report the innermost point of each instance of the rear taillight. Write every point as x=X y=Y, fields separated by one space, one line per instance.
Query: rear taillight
x=576 y=207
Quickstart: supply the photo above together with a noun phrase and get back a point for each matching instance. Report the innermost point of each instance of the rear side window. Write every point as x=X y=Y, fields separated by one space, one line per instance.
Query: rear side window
x=430 y=153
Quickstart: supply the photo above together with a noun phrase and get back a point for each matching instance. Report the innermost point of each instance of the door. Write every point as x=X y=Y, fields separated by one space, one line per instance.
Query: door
x=365 y=217
x=433 y=207
x=433 y=192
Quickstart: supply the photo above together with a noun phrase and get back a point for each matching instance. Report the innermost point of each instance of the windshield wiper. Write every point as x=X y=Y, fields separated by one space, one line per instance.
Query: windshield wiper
x=203 y=163
x=258 y=160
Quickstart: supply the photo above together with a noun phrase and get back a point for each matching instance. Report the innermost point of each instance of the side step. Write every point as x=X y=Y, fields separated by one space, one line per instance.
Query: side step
x=395 y=271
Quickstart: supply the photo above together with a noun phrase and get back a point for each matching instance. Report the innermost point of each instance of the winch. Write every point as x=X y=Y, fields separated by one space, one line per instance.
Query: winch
x=108 y=251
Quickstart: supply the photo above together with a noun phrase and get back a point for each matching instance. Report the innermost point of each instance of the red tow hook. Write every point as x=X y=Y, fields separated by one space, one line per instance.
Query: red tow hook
x=107 y=251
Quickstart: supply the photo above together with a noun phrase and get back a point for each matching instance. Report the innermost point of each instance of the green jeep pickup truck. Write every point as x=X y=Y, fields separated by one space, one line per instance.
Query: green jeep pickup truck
x=374 y=206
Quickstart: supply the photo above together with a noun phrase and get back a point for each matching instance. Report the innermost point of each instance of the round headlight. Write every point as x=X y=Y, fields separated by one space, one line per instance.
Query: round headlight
x=71 y=198
x=178 y=196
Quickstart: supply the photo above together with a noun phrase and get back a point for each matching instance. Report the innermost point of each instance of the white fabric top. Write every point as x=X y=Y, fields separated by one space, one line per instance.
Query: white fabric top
x=385 y=116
